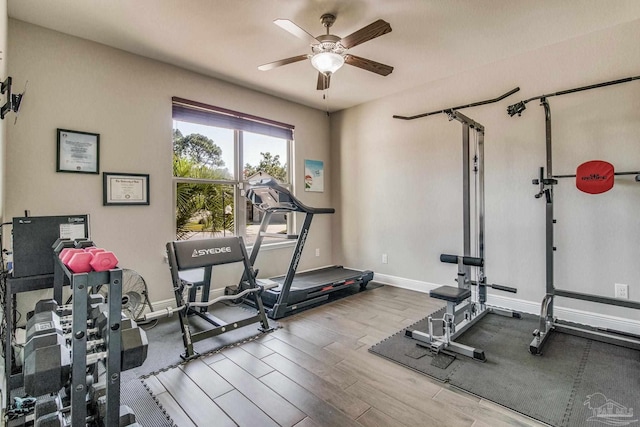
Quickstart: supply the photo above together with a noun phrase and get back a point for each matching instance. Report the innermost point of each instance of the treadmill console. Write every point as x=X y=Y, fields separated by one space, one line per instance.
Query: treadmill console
x=267 y=195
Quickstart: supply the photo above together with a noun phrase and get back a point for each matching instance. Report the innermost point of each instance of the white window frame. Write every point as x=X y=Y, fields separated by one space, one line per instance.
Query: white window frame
x=238 y=182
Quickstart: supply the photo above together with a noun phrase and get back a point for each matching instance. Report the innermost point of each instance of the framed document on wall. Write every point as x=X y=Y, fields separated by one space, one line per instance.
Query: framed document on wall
x=78 y=152
x=125 y=189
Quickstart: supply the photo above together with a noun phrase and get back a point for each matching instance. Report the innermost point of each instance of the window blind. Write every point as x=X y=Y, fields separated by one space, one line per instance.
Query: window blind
x=203 y=114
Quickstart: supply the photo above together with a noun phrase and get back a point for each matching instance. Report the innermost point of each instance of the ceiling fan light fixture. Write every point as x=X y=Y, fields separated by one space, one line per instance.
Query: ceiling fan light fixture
x=327 y=62
x=329 y=52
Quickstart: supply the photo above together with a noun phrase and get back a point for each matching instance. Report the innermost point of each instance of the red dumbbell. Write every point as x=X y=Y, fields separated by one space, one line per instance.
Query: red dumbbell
x=103 y=261
x=63 y=253
x=94 y=250
x=67 y=253
x=80 y=262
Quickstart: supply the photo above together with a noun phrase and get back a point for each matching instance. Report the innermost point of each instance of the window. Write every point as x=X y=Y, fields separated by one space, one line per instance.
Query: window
x=215 y=153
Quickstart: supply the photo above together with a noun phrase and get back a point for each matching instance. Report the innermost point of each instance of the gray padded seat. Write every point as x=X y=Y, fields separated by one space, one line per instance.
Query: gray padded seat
x=450 y=293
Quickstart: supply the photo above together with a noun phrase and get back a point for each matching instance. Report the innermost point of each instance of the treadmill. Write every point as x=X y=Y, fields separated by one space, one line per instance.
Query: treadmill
x=296 y=291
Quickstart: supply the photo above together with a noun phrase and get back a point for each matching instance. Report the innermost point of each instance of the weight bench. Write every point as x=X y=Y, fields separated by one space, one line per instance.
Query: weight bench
x=191 y=263
x=462 y=311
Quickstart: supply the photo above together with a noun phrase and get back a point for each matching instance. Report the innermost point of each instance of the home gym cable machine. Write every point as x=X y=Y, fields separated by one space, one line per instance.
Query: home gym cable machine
x=464 y=307
x=546 y=181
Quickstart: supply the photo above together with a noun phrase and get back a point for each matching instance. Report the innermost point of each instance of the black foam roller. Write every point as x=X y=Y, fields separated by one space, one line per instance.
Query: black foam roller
x=469 y=260
x=451 y=259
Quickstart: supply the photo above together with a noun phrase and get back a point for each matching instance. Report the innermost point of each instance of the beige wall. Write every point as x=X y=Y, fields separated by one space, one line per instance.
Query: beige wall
x=80 y=85
x=398 y=184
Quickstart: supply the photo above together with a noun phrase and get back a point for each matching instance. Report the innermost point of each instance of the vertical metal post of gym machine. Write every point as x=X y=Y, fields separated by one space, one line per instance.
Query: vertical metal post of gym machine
x=467 y=125
x=546 y=182
x=549 y=221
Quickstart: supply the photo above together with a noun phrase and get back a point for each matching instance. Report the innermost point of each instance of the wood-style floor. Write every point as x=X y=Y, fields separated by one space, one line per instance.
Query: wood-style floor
x=316 y=371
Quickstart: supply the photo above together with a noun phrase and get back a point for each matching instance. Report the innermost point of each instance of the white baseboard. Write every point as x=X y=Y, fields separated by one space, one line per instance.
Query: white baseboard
x=523 y=306
x=401 y=282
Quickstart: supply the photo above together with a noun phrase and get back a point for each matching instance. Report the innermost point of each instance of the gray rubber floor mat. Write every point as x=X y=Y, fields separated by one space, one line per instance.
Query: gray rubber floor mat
x=576 y=382
x=397 y=347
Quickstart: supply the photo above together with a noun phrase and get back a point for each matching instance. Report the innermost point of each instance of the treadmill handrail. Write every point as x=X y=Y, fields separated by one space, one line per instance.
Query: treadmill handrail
x=294 y=205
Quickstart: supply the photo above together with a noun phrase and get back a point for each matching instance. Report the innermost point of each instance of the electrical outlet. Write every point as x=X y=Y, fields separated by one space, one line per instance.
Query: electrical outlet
x=622 y=291
x=385 y=259
x=317 y=251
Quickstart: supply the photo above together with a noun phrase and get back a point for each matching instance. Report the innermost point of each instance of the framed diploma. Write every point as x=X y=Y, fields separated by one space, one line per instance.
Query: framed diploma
x=78 y=152
x=125 y=189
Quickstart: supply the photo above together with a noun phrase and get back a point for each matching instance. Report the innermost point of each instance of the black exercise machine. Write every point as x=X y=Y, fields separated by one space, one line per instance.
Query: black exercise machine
x=191 y=263
x=296 y=290
x=465 y=307
x=548 y=322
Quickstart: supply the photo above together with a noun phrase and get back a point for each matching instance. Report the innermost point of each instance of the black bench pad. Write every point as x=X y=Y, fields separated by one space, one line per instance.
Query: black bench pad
x=450 y=293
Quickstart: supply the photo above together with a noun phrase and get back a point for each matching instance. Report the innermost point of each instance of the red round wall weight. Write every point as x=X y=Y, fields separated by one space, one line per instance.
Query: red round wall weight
x=595 y=177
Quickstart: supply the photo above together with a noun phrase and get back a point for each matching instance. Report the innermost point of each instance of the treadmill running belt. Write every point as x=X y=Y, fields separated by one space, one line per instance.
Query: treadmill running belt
x=318 y=278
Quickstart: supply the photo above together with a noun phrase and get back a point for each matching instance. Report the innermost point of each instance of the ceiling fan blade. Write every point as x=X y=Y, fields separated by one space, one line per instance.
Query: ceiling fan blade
x=323 y=81
x=292 y=28
x=369 y=65
x=272 y=65
x=371 y=31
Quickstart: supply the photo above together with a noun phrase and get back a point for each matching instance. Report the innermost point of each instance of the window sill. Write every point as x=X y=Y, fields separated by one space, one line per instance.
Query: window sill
x=274 y=246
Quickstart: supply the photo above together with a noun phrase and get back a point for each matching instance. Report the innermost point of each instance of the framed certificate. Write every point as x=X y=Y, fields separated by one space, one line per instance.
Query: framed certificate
x=125 y=189
x=78 y=152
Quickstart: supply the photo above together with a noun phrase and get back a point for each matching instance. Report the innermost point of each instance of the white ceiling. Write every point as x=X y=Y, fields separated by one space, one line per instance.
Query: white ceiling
x=228 y=39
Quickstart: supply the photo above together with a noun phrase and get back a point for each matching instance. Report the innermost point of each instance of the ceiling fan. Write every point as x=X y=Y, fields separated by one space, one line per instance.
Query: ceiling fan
x=329 y=52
